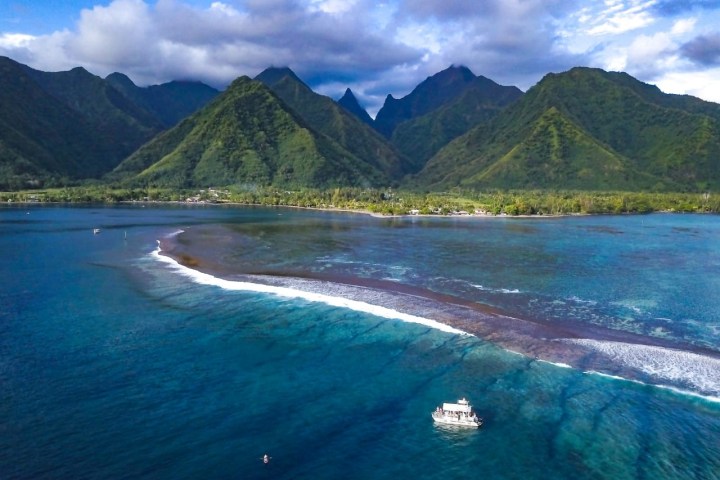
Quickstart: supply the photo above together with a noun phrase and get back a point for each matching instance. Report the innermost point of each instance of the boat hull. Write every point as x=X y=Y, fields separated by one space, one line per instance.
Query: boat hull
x=452 y=420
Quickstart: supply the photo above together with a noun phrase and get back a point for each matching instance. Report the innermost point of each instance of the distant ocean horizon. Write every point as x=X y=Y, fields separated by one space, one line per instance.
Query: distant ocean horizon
x=189 y=341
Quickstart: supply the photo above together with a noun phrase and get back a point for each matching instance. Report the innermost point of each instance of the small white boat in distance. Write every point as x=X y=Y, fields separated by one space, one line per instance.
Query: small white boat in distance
x=460 y=414
x=96 y=231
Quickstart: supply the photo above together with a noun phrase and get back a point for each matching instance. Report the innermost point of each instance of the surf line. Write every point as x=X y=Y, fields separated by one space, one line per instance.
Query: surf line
x=700 y=372
x=364 y=307
x=356 y=305
x=676 y=390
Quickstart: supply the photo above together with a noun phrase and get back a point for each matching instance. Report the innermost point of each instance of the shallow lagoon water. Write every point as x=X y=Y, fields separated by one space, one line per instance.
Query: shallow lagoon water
x=116 y=364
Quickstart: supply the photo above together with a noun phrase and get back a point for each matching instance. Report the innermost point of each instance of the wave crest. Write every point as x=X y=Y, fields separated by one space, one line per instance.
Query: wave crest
x=686 y=369
x=356 y=305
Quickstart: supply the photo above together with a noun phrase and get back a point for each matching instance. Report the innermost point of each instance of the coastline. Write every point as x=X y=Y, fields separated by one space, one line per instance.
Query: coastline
x=367 y=212
x=358 y=211
x=388 y=202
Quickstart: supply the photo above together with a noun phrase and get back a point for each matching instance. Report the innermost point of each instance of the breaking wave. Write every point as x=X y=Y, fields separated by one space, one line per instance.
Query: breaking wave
x=678 y=370
x=685 y=370
x=281 y=291
x=496 y=290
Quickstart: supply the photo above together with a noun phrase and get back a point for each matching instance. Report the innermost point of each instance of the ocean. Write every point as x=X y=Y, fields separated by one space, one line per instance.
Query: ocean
x=189 y=341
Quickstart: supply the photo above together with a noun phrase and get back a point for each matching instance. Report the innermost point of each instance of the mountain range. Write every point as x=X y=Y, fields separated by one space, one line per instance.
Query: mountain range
x=60 y=126
x=581 y=129
x=441 y=108
x=587 y=129
x=246 y=135
x=327 y=117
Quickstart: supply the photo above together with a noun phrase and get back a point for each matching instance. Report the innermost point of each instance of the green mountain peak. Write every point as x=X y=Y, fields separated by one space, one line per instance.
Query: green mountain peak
x=324 y=115
x=582 y=129
x=591 y=129
x=246 y=135
x=273 y=75
x=430 y=94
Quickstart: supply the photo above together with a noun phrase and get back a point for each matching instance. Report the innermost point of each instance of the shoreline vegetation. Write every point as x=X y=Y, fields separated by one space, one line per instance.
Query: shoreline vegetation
x=390 y=202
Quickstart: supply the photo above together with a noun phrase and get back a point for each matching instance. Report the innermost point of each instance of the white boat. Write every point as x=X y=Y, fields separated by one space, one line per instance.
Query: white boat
x=96 y=231
x=460 y=414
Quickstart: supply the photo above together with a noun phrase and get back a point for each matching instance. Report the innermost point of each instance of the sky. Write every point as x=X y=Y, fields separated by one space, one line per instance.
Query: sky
x=374 y=47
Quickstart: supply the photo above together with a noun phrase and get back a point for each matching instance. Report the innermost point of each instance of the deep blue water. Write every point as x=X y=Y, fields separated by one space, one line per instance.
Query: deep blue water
x=115 y=364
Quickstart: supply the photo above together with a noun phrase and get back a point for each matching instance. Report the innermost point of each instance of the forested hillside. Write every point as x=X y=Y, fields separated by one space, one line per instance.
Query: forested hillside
x=587 y=129
x=247 y=135
x=584 y=129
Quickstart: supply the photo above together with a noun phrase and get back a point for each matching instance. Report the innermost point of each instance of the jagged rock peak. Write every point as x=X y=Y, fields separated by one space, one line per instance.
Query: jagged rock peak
x=350 y=103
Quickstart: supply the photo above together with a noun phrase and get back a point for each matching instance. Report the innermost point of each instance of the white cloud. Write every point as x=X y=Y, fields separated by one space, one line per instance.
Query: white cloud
x=331 y=6
x=648 y=56
x=224 y=9
x=702 y=84
x=123 y=33
x=170 y=39
x=375 y=47
x=683 y=26
x=429 y=37
x=647 y=50
x=621 y=16
x=15 y=40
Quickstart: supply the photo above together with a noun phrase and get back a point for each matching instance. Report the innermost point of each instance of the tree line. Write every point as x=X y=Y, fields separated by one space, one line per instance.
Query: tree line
x=388 y=201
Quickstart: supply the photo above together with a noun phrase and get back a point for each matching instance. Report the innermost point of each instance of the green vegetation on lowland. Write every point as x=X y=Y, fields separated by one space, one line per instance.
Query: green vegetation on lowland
x=392 y=202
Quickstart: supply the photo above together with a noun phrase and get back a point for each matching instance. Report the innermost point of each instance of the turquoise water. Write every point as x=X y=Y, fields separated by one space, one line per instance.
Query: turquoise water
x=116 y=363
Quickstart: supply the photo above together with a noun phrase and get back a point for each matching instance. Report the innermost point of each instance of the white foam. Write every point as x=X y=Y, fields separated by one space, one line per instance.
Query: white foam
x=638 y=306
x=557 y=364
x=692 y=394
x=577 y=299
x=175 y=233
x=698 y=372
x=384 y=312
x=614 y=377
x=495 y=290
x=665 y=387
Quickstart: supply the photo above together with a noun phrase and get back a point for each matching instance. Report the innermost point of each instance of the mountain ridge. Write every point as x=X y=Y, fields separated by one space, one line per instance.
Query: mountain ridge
x=169 y=102
x=325 y=115
x=350 y=103
x=582 y=129
x=60 y=127
x=651 y=140
x=423 y=136
x=245 y=135
x=42 y=138
x=430 y=94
